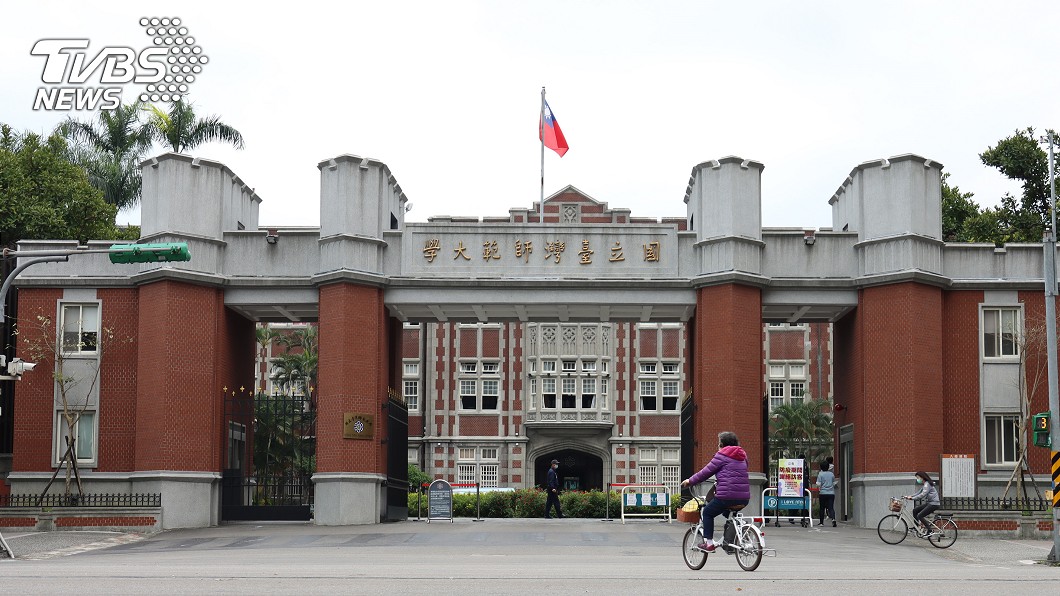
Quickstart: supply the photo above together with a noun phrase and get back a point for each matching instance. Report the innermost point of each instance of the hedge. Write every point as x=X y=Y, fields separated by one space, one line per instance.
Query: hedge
x=530 y=502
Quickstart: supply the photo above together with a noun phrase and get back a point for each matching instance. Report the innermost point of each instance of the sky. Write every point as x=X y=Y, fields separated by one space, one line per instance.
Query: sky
x=448 y=94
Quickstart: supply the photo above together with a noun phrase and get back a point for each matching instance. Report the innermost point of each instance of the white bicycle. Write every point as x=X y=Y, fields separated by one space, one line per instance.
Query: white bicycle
x=742 y=538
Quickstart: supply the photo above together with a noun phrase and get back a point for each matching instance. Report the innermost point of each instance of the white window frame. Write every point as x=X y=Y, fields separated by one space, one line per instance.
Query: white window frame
x=991 y=456
x=797 y=371
x=649 y=454
x=548 y=366
x=466 y=473
x=648 y=474
x=776 y=371
x=670 y=368
x=88 y=460
x=412 y=369
x=570 y=366
x=589 y=366
x=467 y=453
x=993 y=349
x=411 y=392
x=490 y=388
x=648 y=388
x=672 y=390
x=468 y=388
x=671 y=477
x=648 y=368
x=468 y=368
x=488 y=475
x=490 y=368
x=81 y=327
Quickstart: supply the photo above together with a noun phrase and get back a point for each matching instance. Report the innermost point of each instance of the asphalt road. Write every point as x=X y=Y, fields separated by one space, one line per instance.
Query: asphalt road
x=506 y=557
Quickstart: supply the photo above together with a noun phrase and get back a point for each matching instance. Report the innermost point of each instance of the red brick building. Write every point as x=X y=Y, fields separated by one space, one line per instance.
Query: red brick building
x=546 y=334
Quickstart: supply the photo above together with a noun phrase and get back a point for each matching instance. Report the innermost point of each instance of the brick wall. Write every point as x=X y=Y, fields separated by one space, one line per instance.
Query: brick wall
x=352 y=375
x=900 y=332
x=960 y=362
x=185 y=359
x=728 y=369
x=118 y=380
x=35 y=393
x=787 y=343
x=478 y=425
x=663 y=425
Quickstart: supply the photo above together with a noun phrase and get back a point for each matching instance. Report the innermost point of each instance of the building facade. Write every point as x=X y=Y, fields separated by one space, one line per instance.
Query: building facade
x=565 y=330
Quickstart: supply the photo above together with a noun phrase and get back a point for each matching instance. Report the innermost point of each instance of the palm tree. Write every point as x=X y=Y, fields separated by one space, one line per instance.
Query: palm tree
x=109 y=149
x=801 y=427
x=180 y=129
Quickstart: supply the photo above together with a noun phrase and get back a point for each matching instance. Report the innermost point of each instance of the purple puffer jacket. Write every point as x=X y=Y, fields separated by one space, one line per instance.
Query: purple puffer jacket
x=730 y=466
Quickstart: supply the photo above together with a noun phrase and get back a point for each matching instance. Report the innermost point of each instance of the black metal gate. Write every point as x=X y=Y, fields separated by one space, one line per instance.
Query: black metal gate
x=688 y=439
x=397 y=458
x=270 y=457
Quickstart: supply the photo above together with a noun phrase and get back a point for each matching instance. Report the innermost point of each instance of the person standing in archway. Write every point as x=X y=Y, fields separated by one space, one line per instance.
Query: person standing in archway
x=553 y=491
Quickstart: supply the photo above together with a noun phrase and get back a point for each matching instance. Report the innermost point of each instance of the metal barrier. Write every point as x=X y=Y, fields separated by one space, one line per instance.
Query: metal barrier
x=633 y=497
x=777 y=503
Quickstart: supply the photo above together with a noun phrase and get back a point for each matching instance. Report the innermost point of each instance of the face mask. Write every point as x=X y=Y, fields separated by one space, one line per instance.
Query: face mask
x=919 y=480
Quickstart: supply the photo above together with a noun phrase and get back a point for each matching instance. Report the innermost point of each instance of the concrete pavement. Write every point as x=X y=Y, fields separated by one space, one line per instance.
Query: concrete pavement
x=505 y=557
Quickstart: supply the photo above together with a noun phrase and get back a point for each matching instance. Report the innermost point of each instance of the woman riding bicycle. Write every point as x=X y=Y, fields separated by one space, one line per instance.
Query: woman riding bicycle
x=931 y=500
x=732 y=488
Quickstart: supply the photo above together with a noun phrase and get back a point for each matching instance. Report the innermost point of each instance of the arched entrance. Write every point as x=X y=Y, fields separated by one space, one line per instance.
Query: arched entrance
x=578 y=470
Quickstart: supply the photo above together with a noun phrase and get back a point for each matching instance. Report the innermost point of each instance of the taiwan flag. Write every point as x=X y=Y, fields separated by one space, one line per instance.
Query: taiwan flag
x=550 y=133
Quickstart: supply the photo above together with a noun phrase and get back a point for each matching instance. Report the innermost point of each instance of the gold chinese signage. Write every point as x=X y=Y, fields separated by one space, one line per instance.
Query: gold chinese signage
x=358 y=426
x=553 y=251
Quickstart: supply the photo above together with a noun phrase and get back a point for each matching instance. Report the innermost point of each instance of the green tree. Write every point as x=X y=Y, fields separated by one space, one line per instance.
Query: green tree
x=180 y=129
x=802 y=427
x=959 y=212
x=110 y=150
x=1021 y=157
x=45 y=196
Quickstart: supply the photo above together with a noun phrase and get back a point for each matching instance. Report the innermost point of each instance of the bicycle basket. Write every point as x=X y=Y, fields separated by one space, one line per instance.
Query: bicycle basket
x=896 y=505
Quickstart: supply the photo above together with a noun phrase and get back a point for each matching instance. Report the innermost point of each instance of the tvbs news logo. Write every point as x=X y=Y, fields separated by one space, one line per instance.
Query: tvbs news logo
x=79 y=79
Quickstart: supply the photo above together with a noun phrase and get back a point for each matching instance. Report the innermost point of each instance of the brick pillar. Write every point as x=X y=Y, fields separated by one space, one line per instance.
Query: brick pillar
x=890 y=362
x=727 y=372
x=190 y=347
x=352 y=377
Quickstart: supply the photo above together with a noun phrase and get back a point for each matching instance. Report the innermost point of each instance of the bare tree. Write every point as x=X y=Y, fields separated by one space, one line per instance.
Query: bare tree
x=75 y=380
x=1032 y=378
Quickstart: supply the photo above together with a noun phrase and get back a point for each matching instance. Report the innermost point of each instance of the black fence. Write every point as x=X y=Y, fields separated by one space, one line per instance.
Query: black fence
x=93 y=500
x=993 y=504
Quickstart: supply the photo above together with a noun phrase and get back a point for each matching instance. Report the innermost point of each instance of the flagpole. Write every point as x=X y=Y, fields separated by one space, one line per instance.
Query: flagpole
x=541 y=133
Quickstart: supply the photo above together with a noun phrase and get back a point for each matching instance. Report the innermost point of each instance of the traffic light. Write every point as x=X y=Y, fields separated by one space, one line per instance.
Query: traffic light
x=149 y=253
x=1041 y=430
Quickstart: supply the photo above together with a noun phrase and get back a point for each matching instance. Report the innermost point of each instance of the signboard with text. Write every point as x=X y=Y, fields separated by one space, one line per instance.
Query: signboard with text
x=789 y=478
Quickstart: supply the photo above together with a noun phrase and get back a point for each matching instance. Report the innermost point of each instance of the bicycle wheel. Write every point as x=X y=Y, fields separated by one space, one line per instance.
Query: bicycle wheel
x=892 y=529
x=749 y=551
x=694 y=558
x=947 y=534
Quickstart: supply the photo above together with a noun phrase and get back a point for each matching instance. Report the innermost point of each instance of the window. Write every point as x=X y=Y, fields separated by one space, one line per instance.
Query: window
x=1002 y=432
x=671 y=453
x=412 y=394
x=465 y=453
x=465 y=473
x=548 y=393
x=489 y=453
x=798 y=391
x=412 y=369
x=649 y=453
x=490 y=395
x=647 y=368
x=414 y=455
x=469 y=368
x=533 y=394
x=1001 y=328
x=84 y=432
x=569 y=366
x=776 y=394
x=490 y=368
x=468 y=394
x=776 y=370
x=488 y=475
x=588 y=393
x=671 y=477
x=80 y=327
x=589 y=366
x=648 y=475
x=548 y=366
x=647 y=396
x=670 y=393
x=570 y=399
x=798 y=371
x=603 y=366
x=603 y=394
x=669 y=368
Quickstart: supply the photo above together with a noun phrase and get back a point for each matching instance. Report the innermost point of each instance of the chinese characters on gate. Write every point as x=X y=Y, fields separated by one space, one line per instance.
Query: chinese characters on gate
x=521 y=250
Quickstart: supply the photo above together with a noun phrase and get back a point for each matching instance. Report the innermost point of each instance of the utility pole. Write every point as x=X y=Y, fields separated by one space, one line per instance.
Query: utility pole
x=1049 y=245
